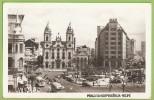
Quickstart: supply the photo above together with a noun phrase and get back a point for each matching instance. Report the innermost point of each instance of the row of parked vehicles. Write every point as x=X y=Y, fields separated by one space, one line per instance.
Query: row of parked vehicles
x=96 y=80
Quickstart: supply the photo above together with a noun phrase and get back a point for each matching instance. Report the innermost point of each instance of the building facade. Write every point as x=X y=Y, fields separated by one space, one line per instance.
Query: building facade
x=82 y=56
x=58 y=54
x=111 y=45
x=32 y=50
x=15 y=42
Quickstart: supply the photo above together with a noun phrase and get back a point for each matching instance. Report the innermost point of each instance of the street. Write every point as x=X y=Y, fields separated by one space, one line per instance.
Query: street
x=72 y=87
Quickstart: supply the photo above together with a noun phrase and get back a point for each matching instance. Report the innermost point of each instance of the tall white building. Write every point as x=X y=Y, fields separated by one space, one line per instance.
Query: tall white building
x=15 y=42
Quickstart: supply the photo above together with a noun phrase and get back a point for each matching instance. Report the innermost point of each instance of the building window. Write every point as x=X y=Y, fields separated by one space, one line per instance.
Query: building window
x=106 y=38
x=119 y=52
x=69 y=64
x=119 y=38
x=21 y=48
x=47 y=55
x=113 y=43
x=113 y=52
x=119 y=43
x=69 y=38
x=46 y=38
x=113 y=47
x=53 y=64
x=113 y=29
x=119 y=48
x=69 y=55
x=63 y=55
x=16 y=48
x=119 y=56
x=113 y=38
x=58 y=55
x=63 y=65
x=46 y=64
x=10 y=48
x=113 y=57
x=21 y=62
x=106 y=43
x=53 y=56
x=113 y=33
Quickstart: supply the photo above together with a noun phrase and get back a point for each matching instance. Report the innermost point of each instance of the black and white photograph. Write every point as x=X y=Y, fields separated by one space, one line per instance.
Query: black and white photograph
x=76 y=50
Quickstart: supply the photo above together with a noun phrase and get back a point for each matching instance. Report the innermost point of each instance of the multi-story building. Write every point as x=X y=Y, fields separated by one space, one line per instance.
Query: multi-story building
x=15 y=42
x=82 y=56
x=15 y=49
x=111 y=45
x=58 y=54
x=32 y=50
x=131 y=48
x=143 y=48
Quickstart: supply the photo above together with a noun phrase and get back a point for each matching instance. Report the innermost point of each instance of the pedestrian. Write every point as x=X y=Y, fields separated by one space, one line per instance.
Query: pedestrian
x=37 y=86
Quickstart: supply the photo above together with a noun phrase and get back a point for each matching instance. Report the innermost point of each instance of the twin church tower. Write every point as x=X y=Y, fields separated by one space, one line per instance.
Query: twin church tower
x=58 y=54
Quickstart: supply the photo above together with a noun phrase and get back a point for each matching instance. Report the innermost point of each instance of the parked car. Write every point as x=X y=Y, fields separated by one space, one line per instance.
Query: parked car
x=40 y=81
x=68 y=78
x=57 y=87
x=80 y=81
x=103 y=83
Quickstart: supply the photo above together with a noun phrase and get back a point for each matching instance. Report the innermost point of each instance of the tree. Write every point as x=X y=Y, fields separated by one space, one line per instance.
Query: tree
x=40 y=61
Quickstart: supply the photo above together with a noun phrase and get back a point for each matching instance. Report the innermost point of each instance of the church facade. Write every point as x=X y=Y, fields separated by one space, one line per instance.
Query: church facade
x=58 y=54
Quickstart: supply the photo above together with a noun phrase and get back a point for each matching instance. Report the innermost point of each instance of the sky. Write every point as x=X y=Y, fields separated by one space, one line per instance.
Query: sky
x=84 y=19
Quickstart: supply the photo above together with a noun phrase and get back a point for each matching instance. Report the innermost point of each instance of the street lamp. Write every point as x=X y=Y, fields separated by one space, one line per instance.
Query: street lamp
x=15 y=81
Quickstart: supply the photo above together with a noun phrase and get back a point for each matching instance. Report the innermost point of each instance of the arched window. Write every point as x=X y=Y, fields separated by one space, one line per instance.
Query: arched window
x=53 y=56
x=53 y=64
x=63 y=55
x=69 y=38
x=46 y=38
x=63 y=65
x=69 y=55
x=47 y=55
x=21 y=48
x=10 y=62
x=20 y=62
x=46 y=64
x=85 y=59
x=69 y=64
x=10 y=48
x=16 y=48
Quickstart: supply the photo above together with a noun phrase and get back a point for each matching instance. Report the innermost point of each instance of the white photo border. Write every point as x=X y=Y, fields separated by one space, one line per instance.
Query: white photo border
x=148 y=33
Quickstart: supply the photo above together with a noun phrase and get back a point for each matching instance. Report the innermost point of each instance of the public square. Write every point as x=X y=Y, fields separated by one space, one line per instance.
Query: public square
x=57 y=52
